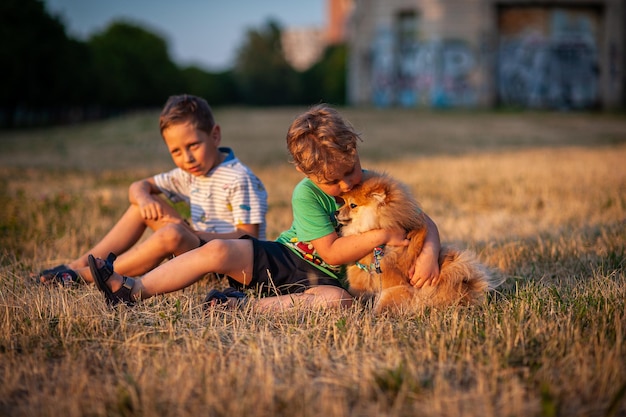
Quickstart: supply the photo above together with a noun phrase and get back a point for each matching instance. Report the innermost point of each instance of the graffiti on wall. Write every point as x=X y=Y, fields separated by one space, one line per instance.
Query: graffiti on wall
x=559 y=70
x=383 y=68
x=433 y=73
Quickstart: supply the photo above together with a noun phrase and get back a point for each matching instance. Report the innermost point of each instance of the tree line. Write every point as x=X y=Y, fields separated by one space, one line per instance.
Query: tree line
x=48 y=77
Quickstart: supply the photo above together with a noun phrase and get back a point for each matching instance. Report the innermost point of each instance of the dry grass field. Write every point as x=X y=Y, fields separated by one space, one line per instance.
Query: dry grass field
x=540 y=196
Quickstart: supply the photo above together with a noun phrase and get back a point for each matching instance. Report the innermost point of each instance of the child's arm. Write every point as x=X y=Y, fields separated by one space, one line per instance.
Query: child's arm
x=142 y=194
x=338 y=250
x=426 y=268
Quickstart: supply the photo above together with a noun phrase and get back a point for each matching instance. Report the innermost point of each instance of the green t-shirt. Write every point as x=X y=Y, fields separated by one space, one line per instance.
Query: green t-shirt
x=313 y=218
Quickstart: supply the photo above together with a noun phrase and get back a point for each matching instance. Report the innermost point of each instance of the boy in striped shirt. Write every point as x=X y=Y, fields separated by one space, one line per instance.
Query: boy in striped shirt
x=226 y=199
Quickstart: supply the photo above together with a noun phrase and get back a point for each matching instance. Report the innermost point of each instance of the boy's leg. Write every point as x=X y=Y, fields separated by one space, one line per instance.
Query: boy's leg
x=231 y=257
x=321 y=296
x=173 y=239
x=123 y=235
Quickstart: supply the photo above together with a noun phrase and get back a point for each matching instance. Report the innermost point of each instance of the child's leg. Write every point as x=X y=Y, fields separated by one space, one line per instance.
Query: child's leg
x=124 y=234
x=321 y=296
x=170 y=240
x=231 y=257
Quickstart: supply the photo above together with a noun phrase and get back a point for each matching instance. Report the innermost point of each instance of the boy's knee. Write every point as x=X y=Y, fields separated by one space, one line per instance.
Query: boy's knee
x=330 y=296
x=174 y=236
x=218 y=249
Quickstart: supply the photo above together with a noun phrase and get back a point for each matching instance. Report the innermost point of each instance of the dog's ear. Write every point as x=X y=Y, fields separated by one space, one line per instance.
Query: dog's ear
x=380 y=197
x=379 y=194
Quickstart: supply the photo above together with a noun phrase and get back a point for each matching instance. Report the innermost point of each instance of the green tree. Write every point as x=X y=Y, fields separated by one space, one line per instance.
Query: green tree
x=133 y=67
x=263 y=75
x=326 y=80
x=42 y=70
x=216 y=88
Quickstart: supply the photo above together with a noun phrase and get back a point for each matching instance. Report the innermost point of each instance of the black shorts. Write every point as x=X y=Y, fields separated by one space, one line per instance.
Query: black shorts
x=278 y=270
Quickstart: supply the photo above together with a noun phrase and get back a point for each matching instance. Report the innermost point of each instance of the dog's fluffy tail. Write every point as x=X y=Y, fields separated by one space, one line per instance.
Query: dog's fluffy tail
x=464 y=279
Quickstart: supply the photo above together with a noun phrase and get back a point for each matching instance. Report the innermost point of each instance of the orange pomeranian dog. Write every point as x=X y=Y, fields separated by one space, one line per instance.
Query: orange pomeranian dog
x=381 y=202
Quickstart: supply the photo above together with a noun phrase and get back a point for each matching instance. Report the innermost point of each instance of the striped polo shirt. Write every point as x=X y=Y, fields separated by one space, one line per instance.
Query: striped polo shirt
x=228 y=195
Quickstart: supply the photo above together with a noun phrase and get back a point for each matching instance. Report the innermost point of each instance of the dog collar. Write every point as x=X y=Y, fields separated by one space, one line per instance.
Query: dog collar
x=379 y=251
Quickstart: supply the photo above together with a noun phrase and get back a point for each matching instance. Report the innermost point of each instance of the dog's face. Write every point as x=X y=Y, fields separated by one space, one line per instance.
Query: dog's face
x=361 y=209
x=378 y=202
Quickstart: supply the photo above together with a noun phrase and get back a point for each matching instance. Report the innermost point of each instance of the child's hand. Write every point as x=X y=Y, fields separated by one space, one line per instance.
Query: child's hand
x=150 y=209
x=425 y=270
x=397 y=237
x=177 y=220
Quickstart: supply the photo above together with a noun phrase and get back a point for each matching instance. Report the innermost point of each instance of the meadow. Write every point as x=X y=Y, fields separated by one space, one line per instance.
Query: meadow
x=539 y=196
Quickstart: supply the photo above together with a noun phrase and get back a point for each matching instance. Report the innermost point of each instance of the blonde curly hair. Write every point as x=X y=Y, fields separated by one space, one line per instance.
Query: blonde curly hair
x=320 y=141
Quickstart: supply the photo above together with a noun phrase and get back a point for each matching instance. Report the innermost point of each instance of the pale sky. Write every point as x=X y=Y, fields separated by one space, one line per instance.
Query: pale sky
x=201 y=32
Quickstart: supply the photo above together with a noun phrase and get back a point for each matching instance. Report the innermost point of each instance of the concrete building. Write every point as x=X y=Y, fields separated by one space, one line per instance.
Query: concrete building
x=303 y=47
x=566 y=54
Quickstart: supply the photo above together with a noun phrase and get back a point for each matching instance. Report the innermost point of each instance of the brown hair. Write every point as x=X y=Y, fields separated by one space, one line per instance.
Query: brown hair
x=187 y=108
x=320 y=141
